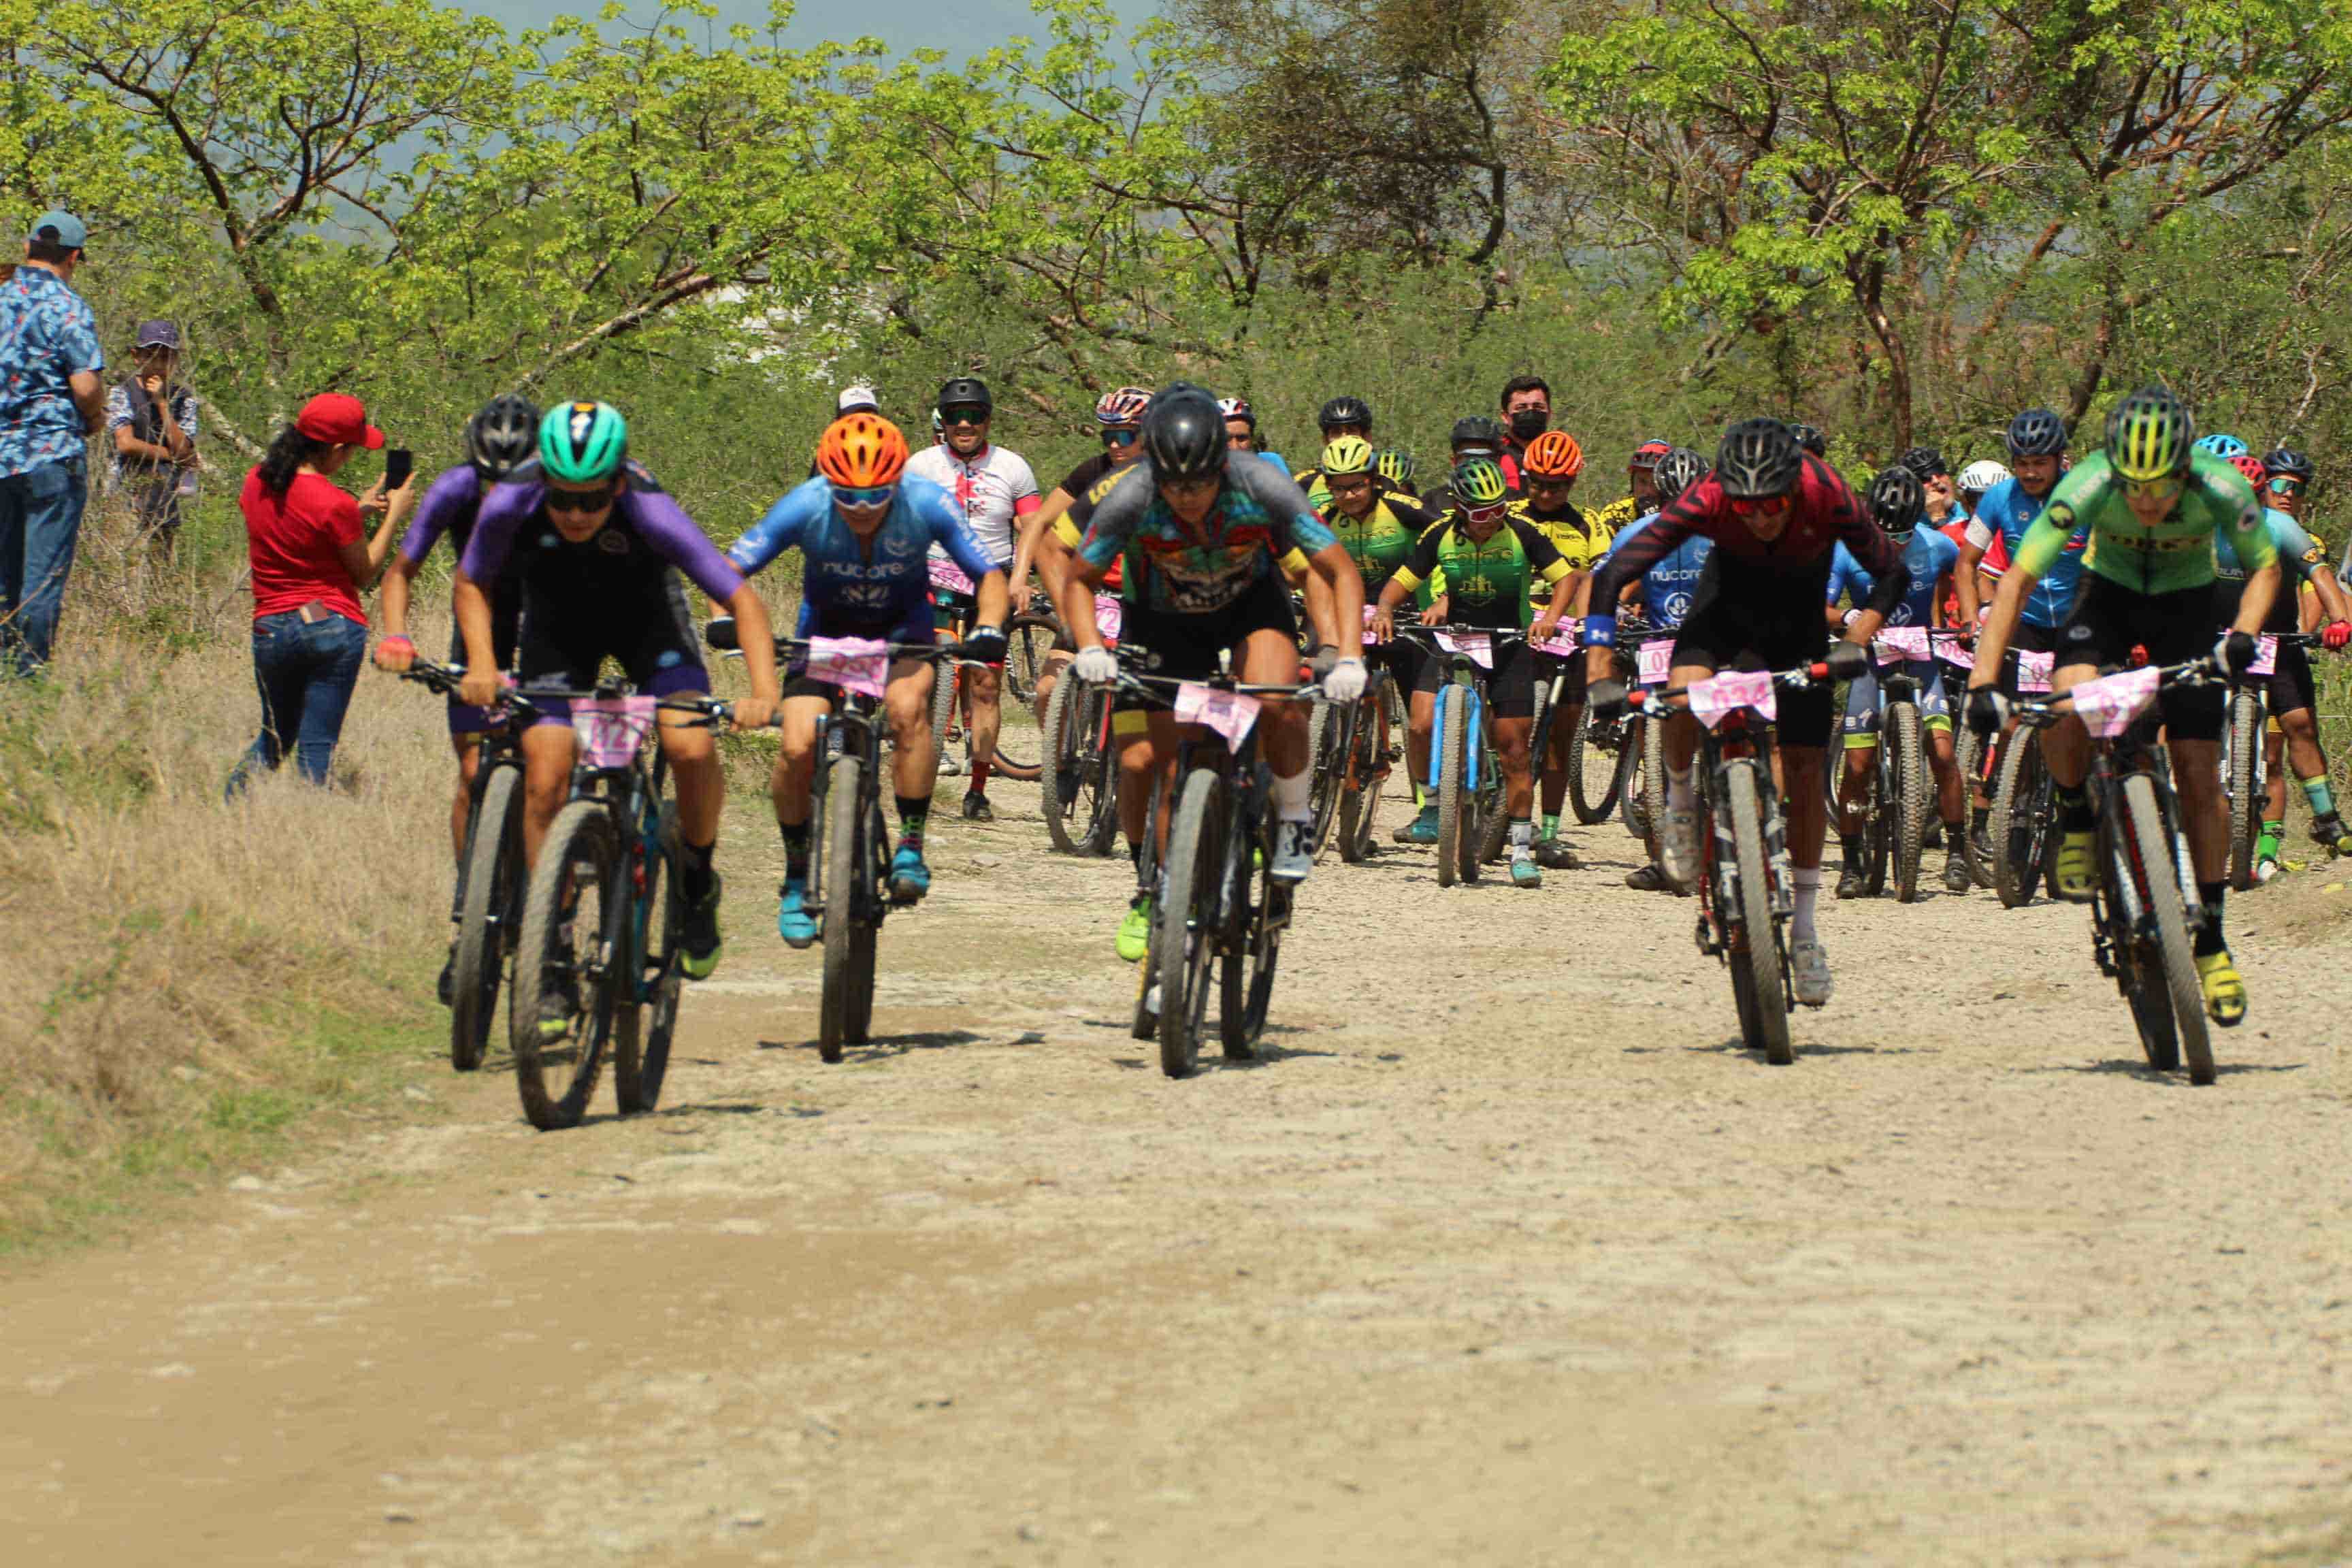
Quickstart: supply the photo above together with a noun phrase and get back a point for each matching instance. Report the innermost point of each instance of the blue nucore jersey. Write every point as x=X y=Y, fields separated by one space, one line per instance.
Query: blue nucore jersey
x=2008 y=510
x=1930 y=555
x=870 y=584
x=1668 y=588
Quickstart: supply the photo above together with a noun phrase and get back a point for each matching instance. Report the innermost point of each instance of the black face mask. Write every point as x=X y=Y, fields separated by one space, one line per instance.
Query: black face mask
x=1530 y=423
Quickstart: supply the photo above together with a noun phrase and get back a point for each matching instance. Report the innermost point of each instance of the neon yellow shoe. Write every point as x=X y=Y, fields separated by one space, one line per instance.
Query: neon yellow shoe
x=1134 y=929
x=2225 y=991
x=2078 y=866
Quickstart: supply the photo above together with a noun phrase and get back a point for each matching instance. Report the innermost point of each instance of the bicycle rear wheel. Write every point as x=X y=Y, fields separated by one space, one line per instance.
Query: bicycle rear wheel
x=1028 y=638
x=1367 y=758
x=641 y=1064
x=1454 y=805
x=1907 y=750
x=1246 y=972
x=2159 y=891
x=842 y=830
x=1331 y=732
x=1756 y=948
x=562 y=966
x=485 y=924
x=1077 y=796
x=2015 y=830
x=1653 y=777
x=1189 y=923
x=943 y=714
x=1596 y=776
x=2244 y=779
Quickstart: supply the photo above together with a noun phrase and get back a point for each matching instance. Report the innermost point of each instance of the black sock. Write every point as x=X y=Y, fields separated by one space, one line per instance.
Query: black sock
x=1977 y=817
x=694 y=871
x=2075 y=809
x=914 y=816
x=795 y=838
x=2209 y=937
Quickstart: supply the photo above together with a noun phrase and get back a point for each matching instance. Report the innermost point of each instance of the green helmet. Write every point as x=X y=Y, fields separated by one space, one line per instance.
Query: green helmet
x=580 y=442
x=1347 y=455
x=2150 y=436
x=1394 y=465
x=1479 y=482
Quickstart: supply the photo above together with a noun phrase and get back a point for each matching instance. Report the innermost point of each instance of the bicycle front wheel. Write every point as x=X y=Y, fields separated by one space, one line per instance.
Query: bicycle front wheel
x=1367 y=757
x=1454 y=805
x=843 y=828
x=2245 y=787
x=2015 y=828
x=2159 y=891
x=1189 y=918
x=1596 y=776
x=1076 y=796
x=1907 y=775
x=641 y=1057
x=559 y=1020
x=1246 y=972
x=1028 y=638
x=1755 y=953
x=486 y=923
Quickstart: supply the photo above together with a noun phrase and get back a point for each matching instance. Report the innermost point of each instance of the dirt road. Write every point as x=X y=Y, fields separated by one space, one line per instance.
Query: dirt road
x=1506 y=1254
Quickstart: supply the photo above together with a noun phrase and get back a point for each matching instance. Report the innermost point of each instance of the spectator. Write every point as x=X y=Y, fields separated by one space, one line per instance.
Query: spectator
x=310 y=561
x=51 y=401
x=1526 y=413
x=856 y=399
x=153 y=420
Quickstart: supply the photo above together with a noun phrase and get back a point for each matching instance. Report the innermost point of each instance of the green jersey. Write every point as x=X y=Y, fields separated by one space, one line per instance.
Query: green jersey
x=1382 y=541
x=2177 y=552
x=1487 y=585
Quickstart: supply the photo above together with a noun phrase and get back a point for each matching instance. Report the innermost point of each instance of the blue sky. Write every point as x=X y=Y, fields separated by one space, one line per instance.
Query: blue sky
x=958 y=27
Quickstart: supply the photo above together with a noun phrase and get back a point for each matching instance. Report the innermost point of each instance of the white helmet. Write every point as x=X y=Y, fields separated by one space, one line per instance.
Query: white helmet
x=1982 y=475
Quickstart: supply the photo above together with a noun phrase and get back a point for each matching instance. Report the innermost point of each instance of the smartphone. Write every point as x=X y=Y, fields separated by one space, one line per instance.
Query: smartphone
x=398 y=462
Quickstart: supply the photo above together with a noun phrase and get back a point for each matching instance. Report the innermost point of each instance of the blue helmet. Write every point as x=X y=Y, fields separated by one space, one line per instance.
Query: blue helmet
x=2224 y=447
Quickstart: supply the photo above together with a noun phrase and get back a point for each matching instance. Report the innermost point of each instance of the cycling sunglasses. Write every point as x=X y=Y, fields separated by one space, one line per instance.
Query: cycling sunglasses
x=1121 y=438
x=579 y=501
x=2287 y=485
x=2166 y=489
x=1750 y=506
x=966 y=413
x=866 y=498
x=1483 y=514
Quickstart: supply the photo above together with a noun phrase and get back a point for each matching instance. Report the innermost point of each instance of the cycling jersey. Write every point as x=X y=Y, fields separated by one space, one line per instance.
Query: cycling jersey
x=2299 y=555
x=1580 y=541
x=878 y=583
x=1382 y=540
x=1620 y=514
x=993 y=487
x=1670 y=586
x=1317 y=489
x=1928 y=554
x=1488 y=584
x=448 y=510
x=2175 y=553
x=1259 y=516
x=2005 y=512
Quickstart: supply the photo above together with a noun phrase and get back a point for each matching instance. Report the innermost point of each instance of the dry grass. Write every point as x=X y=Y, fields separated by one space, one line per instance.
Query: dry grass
x=190 y=977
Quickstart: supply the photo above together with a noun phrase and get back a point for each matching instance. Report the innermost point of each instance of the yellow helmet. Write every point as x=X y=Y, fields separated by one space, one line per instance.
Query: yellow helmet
x=1347 y=455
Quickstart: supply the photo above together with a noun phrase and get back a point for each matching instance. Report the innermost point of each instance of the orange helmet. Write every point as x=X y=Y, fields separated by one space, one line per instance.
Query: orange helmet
x=862 y=451
x=1554 y=455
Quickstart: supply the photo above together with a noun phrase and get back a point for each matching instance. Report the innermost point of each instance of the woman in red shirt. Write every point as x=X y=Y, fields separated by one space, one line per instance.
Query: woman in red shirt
x=311 y=558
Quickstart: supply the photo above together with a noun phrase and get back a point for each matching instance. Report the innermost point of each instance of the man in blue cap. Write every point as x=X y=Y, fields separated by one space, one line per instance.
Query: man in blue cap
x=51 y=403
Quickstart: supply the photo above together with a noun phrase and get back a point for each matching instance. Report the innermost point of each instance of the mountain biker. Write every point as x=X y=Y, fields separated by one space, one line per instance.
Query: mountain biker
x=1897 y=504
x=1975 y=479
x=501 y=436
x=1663 y=595
x=1551 y=463
x=1241 y=430
x=2153 y=509
x=1492 y=560
x=1394 y=466
x=865 y=527
x=1473 y=436
x=597 y=549
x=995 y=487
x=1775 y=512
x=1642 y=494
x=1118 y=418
x=1378 y=529
x=1343 y=416
x=1202 y=527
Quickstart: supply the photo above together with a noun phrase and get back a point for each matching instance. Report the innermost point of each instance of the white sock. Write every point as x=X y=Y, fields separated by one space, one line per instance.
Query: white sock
x=1523 y=836
x=1807 y=887
x=1291 y=796
x=1679 y=795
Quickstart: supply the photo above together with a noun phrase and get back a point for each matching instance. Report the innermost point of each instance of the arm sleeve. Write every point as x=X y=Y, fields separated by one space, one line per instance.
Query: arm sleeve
x=773 y=534
x=503 y=512
x=78 y=342
x=187 y=415
x=663 y=524
x=944 y=521
x=1542 y=552
x=343 y=517
x=1025 y=499
x=456 y=489
x=1981 y=533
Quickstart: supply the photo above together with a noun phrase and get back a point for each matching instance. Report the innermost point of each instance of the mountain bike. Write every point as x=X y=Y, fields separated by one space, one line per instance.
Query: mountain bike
x=1900 y=786
x=1080 y=794
x=1218 y=904
x=2021 y=828
x=1603 y=755
x=2145 y=902
x=1027 y=639
x=604 y=920
x=1464 y=770
x=1744 y=893
x=2244 y=763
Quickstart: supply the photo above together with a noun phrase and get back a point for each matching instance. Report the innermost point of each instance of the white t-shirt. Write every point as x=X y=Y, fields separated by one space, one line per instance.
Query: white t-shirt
x=993 y=487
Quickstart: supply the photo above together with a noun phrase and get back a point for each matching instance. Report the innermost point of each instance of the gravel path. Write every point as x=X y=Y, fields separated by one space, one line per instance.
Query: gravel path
x=1506 y=1254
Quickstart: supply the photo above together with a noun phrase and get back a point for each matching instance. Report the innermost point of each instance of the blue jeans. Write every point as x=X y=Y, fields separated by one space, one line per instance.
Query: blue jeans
x=40 y=521
x=306 y=674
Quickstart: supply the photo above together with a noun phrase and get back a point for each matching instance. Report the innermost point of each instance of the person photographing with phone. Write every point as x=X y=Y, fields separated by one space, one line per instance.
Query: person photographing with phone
x=311 y=558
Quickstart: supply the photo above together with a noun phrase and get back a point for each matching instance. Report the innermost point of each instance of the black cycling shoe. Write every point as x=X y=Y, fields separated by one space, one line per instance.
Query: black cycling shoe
x=976 y=807
x=1850 y=878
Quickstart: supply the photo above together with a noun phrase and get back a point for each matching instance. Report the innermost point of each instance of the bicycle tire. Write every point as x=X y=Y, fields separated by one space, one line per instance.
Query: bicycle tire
x=487 y=912
x=1494 y=818
x=2159 y=888
x=1360 y=795
x=840 y=829
x=1028 y=639
x=1245 y=972
x=1067 y=738
x=1581 y=751
x=580 y=837
x=1654 y=780
x=1144 y=1023
x=1328 y=735
x=1187 y=918
x=1967 y=756
x=639 y=1073
x=1757 y=952
x=1453 y=735
x=2245 y=787
x=1878 y=824
x=2017 y=851
x=1907 y=748
x=2139 y=969
x=943 y=709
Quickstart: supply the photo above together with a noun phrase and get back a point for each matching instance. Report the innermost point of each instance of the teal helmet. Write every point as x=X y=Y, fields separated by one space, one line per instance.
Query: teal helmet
x=581 y=443
x=1480 y=482
x=1394 y=465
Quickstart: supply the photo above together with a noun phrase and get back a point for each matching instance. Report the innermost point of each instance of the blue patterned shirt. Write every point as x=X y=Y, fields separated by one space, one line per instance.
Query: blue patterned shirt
x=47 y=334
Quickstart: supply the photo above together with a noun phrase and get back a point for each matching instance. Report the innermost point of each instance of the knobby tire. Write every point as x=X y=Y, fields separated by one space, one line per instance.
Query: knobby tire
x=2159 y=889
x=580 y=837
x=486 y=923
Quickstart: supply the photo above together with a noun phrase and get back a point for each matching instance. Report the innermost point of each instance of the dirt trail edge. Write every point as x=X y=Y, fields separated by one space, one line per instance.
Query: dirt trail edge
x=1492 y=1259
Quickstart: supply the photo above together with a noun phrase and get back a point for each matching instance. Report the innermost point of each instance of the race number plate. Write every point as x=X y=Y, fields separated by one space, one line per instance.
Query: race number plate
x=611 y=729
x=1229 y=713
x=1713 y=699
x=854 y=664
x=2107 y=707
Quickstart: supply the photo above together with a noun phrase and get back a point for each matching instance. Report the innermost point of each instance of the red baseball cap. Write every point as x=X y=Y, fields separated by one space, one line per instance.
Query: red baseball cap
x=339 y=417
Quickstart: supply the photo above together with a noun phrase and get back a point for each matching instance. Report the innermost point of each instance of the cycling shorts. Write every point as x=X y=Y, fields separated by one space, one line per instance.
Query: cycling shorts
x=1185 y=646
x=1863 y=709
x=563 y=647
x=2292 y=685
x=2024 y=638
x=1510 y=684
x=505 y=618
x=2110 y=620
x=1776 y=625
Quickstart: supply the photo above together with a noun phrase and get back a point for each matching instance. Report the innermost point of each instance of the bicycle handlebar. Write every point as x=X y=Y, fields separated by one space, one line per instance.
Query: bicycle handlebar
x=2042 y=713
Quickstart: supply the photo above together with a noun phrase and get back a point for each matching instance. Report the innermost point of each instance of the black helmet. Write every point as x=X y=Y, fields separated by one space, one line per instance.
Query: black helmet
x=1346 y=411
x=965 y=391
x=2037 y=433
x=1926 y=462
x=1677 y=471
x=2288 y=461
x=1811 y=438
x=1183 y=434
x=1896 y=500
x=1479 y=430
x=504 y=434
x=1759 y=457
